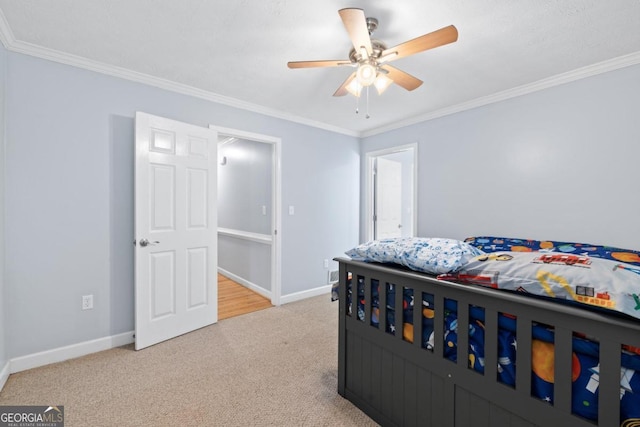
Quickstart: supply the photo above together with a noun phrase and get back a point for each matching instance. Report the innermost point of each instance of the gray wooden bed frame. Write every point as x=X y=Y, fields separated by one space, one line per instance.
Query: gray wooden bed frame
x=396 y=382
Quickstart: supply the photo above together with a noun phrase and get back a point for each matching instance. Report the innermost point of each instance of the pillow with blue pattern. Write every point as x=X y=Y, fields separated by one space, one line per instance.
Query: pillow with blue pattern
x=425 y=254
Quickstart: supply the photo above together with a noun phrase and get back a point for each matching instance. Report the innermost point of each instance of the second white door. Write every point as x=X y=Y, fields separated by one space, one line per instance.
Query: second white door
x=390 y=187
x=388 y=206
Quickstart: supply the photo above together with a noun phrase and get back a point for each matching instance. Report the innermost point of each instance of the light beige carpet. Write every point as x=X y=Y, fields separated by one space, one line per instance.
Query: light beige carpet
x=275 y=367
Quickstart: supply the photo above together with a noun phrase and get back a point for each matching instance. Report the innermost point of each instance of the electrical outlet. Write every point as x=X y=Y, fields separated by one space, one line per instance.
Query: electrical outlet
x=326 y=263
x=87 y=302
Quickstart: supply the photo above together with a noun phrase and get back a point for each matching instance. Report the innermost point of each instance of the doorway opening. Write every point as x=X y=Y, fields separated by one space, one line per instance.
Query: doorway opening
x=249 y=214
x=391 y=188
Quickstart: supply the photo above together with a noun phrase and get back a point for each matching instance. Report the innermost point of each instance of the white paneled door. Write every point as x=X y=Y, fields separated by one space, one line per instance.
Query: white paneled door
x=175 y=229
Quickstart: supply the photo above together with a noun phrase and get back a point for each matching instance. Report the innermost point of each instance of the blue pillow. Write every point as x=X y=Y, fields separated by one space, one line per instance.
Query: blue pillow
x=425 y=254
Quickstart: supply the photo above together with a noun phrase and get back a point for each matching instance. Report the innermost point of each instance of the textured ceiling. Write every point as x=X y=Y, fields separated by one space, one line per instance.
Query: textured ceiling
x=237 y=51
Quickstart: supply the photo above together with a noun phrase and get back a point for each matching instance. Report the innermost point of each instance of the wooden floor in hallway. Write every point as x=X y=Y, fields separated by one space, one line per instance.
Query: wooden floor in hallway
x=235 y=299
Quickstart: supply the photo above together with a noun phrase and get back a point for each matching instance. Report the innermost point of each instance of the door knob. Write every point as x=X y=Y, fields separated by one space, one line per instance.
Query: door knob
x=145 y=242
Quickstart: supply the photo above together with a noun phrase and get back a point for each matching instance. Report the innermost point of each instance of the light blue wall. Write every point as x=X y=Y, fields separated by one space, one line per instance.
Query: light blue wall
x=244 y=186
x=69 y=197
x=561 y=163
x=246 y=260
x=3 y=308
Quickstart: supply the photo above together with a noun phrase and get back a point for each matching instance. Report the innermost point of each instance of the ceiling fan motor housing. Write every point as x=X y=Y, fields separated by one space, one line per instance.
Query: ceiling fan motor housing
x=377 y=48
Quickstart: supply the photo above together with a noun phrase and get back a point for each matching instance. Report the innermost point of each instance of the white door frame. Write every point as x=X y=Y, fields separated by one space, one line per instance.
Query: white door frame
x=276 y=196
x=369 y=188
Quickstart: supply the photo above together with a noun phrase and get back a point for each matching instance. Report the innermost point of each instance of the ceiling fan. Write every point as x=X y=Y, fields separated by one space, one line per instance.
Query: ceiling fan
x=371 y=56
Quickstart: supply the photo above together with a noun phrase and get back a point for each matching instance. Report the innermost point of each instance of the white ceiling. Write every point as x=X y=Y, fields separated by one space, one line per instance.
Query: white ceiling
x=236 y=52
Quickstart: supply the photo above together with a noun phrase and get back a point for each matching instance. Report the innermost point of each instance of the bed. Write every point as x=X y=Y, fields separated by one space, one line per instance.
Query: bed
x=521 y=360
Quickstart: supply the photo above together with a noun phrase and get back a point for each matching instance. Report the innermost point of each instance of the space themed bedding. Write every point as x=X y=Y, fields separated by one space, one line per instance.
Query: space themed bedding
x=585 y=363
x=602 y=279
x=592 y=276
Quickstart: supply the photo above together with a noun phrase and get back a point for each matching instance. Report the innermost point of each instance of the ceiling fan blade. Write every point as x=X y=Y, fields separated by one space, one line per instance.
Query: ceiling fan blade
x=312 y=64
x=401 y=78
x=437 y=38
x=356 y=24
x=342 y=90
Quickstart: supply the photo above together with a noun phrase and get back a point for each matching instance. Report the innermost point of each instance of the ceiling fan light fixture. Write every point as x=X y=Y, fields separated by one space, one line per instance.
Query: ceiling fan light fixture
x=354 y=88
x=366 y=74
x=382 y=82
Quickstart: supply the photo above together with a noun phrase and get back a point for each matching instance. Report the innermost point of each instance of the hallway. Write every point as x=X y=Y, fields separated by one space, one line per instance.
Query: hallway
x=235 y=299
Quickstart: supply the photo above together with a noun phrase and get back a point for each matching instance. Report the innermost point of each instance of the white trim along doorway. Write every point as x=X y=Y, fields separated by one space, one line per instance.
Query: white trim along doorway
x=273 y=238
x=391 y=192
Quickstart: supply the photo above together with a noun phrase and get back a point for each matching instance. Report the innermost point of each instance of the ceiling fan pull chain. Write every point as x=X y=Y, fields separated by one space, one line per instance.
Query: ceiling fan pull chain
x=357 y=104
x=367 y=116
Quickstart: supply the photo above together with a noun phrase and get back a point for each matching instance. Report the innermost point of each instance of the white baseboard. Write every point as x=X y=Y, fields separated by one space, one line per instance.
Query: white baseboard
x=255 y=288
x=61 y=354
x=4 y=374
x=55 y=355
x=297 y=296
x=284 y=299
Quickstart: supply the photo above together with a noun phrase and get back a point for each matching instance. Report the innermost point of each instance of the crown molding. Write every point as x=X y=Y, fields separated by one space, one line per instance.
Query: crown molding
x=8 y=40
x=10 y=43
x=123 y=73
x=6 y=35
x=580 y=73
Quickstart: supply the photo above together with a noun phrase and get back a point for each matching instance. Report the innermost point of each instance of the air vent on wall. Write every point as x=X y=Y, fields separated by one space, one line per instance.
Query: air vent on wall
x=332 y=276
